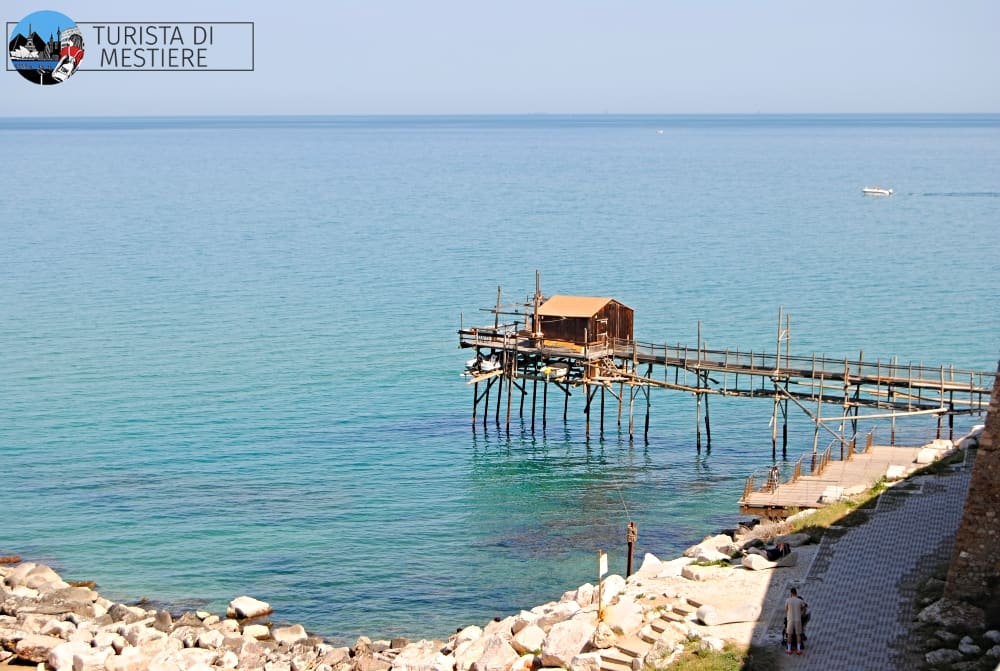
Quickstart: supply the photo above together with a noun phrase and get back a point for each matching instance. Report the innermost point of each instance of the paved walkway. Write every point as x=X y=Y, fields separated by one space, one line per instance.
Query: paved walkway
x=861 y=587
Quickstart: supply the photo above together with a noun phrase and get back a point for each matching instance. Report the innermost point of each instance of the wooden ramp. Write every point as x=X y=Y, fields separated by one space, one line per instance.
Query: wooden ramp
x=861 y=470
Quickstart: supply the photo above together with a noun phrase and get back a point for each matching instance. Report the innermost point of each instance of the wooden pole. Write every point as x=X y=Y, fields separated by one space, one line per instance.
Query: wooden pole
x=545 y=404
x=475 y=405
x=708 y=423
x=534 y=396
x=621 y=395
x=603 y=389
x=524 y=392
x=496 y=417
x=784 y=429
x=509 y=372
x=774 y=425
x=586 y=411
x=697 y=394
x=631 y=414
x=645 y=431
x=486 y=401
x=631 y=536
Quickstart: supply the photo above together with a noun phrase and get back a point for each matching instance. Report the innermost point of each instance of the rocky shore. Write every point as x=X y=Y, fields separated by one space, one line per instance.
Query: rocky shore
x=651 y=616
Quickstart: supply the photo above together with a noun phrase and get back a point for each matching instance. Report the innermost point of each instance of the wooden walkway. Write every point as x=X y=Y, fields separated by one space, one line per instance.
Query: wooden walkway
x=859 y=472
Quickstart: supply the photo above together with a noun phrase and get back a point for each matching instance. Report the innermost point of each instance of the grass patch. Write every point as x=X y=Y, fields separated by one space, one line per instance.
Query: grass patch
x=732 y=658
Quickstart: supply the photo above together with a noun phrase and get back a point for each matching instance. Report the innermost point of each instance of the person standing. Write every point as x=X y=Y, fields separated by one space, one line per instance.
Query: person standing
x=794 y=606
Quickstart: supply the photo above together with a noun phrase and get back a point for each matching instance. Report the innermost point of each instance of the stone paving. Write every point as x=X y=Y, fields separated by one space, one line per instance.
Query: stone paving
x=861 y=587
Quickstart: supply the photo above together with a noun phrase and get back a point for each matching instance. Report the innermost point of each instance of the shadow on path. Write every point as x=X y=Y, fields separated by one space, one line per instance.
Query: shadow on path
x=862 y=585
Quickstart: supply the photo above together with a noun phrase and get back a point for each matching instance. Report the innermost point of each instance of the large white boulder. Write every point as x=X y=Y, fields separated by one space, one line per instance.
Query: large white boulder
x=705 y=573
x=290 y=635
x=831 y=494
x=467 y=652
x=500 y=627
x=586 y=661
x=673 y=568
x=565 y=641
x=529 y=640
x=611 y=587
x=419 y=656
x=37 y=647
x=129 y=659
x=60 y=657
x=558 y=612
x=195 y=656
x=92 y=660
x=927 y=455
x=709 y=543
x=707 y=555
x=497 y=655
x=756 y=562
x=710 y=615
x=468 y=634
x=256 y=631
x=246 y=608
x=624 y=617
x=895 y=472
x=211 y=638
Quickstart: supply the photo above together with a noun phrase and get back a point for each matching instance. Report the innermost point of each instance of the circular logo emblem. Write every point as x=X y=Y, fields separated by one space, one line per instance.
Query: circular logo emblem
x=46 y=47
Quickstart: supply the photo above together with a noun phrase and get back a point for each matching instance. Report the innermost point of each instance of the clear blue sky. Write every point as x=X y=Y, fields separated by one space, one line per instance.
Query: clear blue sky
x=552 y=56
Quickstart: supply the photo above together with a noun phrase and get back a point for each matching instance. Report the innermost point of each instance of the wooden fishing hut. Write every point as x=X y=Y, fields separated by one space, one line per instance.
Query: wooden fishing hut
x=588 y=343
x=585 y=322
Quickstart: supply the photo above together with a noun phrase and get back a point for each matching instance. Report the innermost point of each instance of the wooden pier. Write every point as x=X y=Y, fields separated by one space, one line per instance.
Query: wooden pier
x=815 y=482
x=562 y=344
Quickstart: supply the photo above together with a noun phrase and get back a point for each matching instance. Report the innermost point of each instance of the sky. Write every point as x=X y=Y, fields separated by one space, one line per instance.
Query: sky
x=548 y=57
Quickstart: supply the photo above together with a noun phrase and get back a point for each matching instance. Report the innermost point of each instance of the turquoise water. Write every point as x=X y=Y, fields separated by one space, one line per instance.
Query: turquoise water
x=229 y=358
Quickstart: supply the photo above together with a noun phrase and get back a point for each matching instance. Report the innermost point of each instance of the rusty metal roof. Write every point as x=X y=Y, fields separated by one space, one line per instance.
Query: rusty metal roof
x=572 y=306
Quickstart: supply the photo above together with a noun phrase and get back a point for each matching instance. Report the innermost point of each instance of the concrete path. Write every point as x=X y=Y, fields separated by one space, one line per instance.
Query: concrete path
x=861 y=587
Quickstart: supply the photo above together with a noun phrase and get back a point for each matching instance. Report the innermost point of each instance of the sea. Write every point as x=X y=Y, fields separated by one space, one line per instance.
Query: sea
x=229 y=356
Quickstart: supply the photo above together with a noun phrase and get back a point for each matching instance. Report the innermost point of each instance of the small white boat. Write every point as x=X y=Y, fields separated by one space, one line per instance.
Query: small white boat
x=489 y=365
x=876 y=191
x=481 y=365
x=554 y=371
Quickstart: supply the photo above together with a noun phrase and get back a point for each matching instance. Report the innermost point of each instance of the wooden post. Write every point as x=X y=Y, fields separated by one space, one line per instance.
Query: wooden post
x=819 y=413
x=602 y=411
x=631 y=536
x=475 y=405
x=486 y=401
x=534 y=396
x=645 y=432
x=496 y=417
x=545 y=404
x=524 y=392
x=784 y=429
x=697 y=394
x=774 y=425
x=509 y=372
x=708 y=423
x=586 y=411
x=621 y=395
x=631 y=413
x=565 y=403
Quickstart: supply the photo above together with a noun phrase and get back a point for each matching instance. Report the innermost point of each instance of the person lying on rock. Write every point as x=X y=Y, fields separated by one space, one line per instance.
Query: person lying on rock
x=780 y=549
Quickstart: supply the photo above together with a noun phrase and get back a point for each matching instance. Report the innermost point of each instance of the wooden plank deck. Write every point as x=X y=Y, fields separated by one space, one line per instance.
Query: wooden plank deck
x=861 y=470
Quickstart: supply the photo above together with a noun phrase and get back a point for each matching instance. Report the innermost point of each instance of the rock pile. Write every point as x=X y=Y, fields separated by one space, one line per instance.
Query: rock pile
x=957 y=639
x=61 y=627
